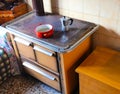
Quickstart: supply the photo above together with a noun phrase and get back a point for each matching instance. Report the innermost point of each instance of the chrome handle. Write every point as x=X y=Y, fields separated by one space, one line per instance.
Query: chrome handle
x=38 y=70
x=43 y=51
x=22 y=41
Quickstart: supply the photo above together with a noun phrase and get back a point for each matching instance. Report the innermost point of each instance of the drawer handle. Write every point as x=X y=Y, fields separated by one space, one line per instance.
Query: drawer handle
x=22 y=41
x=38 y=70
x=43 y=51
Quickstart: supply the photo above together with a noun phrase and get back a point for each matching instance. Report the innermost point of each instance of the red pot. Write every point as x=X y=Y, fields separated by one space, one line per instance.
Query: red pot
x=44 y=31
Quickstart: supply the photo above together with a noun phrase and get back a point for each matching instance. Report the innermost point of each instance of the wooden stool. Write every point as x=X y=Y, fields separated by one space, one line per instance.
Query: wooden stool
x=100 y=72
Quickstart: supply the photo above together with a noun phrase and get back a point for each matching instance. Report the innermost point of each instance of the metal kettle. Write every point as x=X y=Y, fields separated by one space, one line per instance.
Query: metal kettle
x=65 y=22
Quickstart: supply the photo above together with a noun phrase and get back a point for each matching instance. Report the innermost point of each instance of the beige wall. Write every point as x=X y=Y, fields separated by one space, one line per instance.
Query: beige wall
x=103 y=12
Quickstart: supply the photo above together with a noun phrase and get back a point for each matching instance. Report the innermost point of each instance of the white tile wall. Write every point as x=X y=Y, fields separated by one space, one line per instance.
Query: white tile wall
x=119 y=13
x=118 y=28
x=109 y=23
x=91 y=7
x=65 y=12
x=47 y=3
x=109 y=9
x=76 y=6
x=91 y=18
x=63 y=4
x=76 y=15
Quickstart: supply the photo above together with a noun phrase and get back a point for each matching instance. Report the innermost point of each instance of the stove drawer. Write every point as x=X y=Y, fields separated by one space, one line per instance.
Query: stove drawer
x=46 y=57
x=24 y=48
x=42 y=75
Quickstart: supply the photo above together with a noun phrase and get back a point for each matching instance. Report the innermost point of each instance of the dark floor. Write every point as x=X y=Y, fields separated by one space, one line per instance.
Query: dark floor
x=26 y=84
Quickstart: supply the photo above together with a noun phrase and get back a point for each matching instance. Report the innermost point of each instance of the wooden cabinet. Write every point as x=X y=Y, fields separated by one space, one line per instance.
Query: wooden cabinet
x=53 y=68
x=37 y=61
x=58 y=55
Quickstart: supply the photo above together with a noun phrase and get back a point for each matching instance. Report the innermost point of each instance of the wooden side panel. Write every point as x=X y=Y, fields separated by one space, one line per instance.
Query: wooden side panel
x=90 y=85
x=14 y=45
x=69 y=63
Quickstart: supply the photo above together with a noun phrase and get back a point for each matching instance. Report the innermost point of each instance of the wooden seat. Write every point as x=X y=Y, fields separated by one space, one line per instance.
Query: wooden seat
x=100 y=72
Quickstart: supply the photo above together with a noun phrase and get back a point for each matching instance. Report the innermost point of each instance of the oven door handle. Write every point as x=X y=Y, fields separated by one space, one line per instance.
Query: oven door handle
x=38 y=70
x=22 y=41
x=43 y=51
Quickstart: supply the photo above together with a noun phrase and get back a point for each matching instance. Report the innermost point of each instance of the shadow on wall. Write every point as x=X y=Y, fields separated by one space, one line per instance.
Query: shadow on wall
x=54 y=6
x=106 y=38
x=29 y=5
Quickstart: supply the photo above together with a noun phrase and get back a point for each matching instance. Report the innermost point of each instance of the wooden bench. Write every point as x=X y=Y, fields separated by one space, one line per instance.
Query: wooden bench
x=100 y=72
